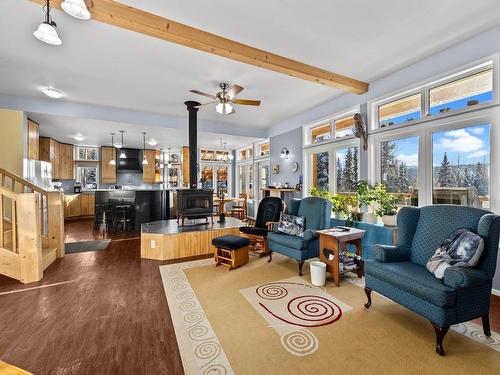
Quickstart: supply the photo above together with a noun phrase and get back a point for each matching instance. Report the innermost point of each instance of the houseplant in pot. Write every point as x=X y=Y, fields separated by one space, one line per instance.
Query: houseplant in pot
x=386 y=205
x=366 y=198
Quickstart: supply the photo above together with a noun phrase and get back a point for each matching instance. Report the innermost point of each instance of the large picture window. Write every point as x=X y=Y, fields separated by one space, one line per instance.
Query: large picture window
x=399 y=168
x=461 y=166
x=346 y=169
x=319 y=169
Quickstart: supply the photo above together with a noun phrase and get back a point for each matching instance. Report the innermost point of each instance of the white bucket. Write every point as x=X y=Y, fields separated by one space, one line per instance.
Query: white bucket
x=318 y=273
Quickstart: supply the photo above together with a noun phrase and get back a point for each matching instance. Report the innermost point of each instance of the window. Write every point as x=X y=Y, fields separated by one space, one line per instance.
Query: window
x=319 y=169
x=215 y=176
x=263 y=149
x=321 y=133
x=462 y=93
x=87 y=153
x=399 y=168
x=207 y=177
x=346 y=169
x=344 y=126
x=246 y=180
x=87 y=176
x=461 y=166
x=400 y=110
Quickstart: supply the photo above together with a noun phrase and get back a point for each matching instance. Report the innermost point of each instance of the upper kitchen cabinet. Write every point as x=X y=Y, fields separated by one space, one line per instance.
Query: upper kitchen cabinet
x=108 y=171
x=33 y=140
x=60 y=155
x=149 y=170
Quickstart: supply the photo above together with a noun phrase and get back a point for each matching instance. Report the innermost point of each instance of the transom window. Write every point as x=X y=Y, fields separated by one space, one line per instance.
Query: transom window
x=331 y=129
x=321 y=133
x=464 y=90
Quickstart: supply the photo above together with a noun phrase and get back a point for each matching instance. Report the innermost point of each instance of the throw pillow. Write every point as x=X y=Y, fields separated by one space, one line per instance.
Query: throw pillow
x=292 y=225
x=463 y=249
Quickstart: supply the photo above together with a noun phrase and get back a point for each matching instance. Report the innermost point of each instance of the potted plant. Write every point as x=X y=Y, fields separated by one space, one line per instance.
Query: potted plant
x=366 y=198
x=386 y=205
x=341 y=203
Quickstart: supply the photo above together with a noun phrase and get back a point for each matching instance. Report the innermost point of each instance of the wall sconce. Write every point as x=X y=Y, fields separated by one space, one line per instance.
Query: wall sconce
x=285 y=152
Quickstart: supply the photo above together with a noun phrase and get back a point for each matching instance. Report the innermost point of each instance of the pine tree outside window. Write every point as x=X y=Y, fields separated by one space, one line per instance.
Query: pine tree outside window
x=461 y=166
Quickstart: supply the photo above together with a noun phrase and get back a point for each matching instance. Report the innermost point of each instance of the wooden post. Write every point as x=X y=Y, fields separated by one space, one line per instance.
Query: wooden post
x=55 y=221
x=30 y=240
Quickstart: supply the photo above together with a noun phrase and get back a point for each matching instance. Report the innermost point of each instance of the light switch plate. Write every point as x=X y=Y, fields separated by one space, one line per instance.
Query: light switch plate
x=153 y=244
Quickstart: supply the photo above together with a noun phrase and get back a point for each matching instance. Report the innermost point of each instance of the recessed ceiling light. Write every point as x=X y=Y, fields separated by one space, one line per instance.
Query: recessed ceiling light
x=76 y=8
x=79 y=138
x=152 y=142
x=52 y=93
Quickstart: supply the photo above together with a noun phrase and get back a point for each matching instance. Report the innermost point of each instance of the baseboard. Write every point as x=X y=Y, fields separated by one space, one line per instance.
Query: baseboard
x=495 y=292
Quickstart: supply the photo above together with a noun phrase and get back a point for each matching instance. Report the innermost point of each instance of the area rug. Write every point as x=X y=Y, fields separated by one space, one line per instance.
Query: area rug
x=80 y=247
x=262 y=318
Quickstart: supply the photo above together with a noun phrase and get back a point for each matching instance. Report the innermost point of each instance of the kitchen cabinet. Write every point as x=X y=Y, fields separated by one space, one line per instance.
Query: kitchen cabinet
x=79 y=205
x=60 y=155
x=149 y=170
x=33 y=140
x=108 y=172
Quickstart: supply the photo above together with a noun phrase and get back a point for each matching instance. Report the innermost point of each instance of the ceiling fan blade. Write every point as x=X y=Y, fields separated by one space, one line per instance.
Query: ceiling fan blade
x=207 y=103
x=233 y=91
x=202 y=94
x=246 y=102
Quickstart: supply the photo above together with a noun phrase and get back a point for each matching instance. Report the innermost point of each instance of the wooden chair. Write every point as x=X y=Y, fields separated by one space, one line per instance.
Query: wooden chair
x=240 y=211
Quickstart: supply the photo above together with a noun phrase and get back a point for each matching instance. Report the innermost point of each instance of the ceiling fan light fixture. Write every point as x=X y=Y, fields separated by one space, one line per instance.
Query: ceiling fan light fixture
x=76 y=8
x=224 y=108
x=47 y=33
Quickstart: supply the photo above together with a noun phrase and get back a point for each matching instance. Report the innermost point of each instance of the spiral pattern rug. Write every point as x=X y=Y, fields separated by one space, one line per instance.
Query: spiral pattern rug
x=264 y=319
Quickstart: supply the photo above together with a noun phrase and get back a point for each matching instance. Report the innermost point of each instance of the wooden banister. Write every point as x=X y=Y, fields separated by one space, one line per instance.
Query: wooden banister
x=24 y=183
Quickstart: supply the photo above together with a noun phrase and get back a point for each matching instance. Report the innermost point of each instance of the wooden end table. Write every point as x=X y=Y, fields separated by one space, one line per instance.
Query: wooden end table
x=333 y=242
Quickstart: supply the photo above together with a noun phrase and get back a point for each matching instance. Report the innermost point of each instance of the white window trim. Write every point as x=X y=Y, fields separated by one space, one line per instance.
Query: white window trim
x=256 y=153
x=438 y=80
x=87 y=160
x=214 y=166
x=87 y=164
x=331 y=148
x=306 y=129
x=425 y=131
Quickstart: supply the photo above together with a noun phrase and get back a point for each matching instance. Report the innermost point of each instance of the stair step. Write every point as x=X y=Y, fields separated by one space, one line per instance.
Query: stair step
x=49 y=255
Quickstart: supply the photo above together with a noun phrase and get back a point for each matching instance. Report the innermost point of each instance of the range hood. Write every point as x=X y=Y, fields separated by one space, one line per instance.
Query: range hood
x=132 y=164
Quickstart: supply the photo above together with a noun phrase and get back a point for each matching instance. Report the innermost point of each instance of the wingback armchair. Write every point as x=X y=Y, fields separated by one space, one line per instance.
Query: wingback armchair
x=317 y=212
x=399 y=272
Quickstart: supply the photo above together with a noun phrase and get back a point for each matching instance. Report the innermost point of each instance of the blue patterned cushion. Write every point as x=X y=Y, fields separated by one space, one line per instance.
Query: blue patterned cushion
x=414 y=279
x=438 y=222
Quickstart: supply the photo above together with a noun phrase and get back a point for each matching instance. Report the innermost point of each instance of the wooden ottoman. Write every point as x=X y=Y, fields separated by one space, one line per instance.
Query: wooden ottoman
x=231 y=251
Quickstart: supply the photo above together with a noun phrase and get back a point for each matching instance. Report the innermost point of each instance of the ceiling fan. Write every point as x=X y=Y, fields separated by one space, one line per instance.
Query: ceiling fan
x=224 y=98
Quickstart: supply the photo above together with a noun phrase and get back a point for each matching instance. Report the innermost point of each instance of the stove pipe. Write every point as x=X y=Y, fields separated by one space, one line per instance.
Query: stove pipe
x=192 y=108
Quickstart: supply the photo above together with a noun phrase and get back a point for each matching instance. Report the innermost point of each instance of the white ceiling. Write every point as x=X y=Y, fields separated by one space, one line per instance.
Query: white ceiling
x=97 y=133
x=107 y=66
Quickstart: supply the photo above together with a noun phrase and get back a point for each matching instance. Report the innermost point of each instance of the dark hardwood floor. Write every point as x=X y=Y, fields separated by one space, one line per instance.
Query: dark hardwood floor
x=82 y=230
x=100 y=312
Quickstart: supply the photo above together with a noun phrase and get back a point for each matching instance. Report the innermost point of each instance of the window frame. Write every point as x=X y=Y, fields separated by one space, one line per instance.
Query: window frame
x=96 y=149
x=424 y=87
x=87 y=164
x=307 y=128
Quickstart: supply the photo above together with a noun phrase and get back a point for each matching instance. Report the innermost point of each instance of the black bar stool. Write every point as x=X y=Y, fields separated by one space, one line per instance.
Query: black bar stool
x=123 y=216
x=103 y=216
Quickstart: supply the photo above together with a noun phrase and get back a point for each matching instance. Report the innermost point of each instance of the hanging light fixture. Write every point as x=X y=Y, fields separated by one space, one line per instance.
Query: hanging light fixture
x=47 y=31
x=169 y=165
x=123 y=155
x=144 y=160
x=112 y=161
x=76 y=8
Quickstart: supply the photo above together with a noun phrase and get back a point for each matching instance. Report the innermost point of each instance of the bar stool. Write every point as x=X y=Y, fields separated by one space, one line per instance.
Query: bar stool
x=103 y=216
x=123 y=216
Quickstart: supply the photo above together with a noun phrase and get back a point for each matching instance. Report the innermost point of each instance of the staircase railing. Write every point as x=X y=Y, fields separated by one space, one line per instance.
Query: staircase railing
x=49 y=211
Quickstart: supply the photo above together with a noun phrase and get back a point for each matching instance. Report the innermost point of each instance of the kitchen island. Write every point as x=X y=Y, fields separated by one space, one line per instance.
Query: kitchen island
x=148 y=204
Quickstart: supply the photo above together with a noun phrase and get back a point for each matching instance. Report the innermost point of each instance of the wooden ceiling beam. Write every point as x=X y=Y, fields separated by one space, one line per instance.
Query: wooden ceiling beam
x=133 y=19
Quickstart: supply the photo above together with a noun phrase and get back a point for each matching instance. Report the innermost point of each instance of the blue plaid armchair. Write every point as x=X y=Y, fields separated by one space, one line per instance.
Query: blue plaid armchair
x=317 y=212
x=399 y=272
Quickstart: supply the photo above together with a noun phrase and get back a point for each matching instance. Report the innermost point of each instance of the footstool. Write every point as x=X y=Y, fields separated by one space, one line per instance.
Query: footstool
x=231 y=251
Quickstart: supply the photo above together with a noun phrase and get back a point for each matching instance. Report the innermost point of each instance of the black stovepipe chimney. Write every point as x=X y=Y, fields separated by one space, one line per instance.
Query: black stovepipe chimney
x=192 y=108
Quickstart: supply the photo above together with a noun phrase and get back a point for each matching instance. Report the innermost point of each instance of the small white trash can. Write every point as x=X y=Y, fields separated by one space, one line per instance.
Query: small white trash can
x=318 y=273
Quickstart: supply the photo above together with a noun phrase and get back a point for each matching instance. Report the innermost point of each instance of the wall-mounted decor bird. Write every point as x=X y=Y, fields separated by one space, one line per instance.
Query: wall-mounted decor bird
x=360 y=129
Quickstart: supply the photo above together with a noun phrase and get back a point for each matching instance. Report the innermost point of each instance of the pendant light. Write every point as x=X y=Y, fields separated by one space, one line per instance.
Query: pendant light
x=47 y=31
x=76 y=8
x=122 y=152
x=169 y=165
x=112 y=161
x=144 y=160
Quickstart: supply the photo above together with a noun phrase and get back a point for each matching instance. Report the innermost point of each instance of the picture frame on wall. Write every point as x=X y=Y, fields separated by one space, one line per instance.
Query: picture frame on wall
x=276 y=169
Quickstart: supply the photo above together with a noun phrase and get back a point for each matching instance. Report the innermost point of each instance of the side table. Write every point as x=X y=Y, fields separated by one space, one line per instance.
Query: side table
x=332 y=242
